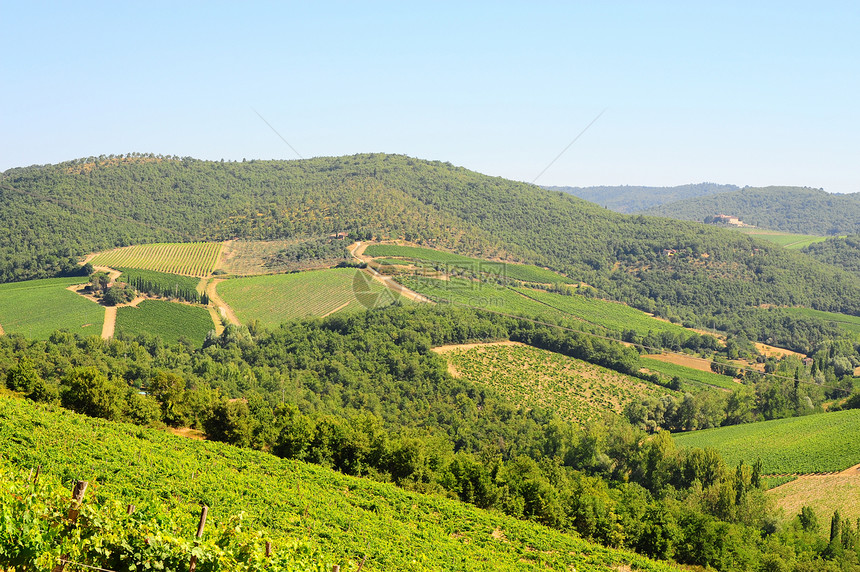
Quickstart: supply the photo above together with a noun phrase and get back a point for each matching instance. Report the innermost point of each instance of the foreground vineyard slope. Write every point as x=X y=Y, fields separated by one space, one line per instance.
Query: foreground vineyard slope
x=314 y=517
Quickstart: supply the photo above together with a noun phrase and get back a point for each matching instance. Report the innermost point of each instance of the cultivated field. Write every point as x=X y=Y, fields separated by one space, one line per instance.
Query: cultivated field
x=274 y=299
x=522 y=272
x=849 y=323
x=187 y=259
x=39 y=307
x=577 y=390
x=254 y=257
x=825 y=493
x=168 y=320
x=688 y=374
x=612 y=315
x=786 y=239
x=819 y=443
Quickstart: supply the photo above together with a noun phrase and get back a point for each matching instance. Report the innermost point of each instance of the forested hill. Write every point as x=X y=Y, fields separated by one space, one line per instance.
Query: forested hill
x=632 y=199
x=686 y=269
x=791 y=209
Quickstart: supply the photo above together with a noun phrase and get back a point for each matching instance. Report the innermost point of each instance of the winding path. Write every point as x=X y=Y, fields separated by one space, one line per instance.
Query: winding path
x=357 y=252
x=222 y=306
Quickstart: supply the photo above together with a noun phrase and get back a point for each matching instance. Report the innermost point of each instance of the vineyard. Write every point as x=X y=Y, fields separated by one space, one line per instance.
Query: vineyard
x=522 y=272
x=313 y=517
x=612 y=315
x=39 y=307
x=688 y=374
x=274 y=299
x=168 y=320
x=844 y=321
x=187 y=259
x=812 y=444
x=576 y=390
x=785 y=239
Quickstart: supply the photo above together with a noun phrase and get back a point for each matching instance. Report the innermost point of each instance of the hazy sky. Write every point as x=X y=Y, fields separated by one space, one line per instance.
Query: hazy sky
x=749 y=93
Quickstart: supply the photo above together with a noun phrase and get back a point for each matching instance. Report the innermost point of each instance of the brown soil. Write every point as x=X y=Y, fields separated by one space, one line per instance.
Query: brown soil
x=464 y=347
x=188 y=432
x=688 y=361
x=110 y=322
x=2 y=332
x=223 y=308
x=825 y=493
x=768 y=351
x=357 y=250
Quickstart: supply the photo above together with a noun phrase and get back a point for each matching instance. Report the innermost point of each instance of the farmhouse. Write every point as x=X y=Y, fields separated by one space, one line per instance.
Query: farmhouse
x=728 y=219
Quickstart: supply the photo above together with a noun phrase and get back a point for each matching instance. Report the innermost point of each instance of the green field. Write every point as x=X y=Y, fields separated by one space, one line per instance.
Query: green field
x=274 y=299
x=187 y=259
x=522 y=272
x=813 y=444
x=337 y=517
x=532 y=377
x=39 y=307
x=849 y=323
x=612 y=315
x=688 y=374
x=540 y=304
x=168 y=320
x=786 y=239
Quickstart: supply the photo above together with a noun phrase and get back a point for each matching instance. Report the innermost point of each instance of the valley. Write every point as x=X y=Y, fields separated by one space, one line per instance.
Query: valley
x=524 y=399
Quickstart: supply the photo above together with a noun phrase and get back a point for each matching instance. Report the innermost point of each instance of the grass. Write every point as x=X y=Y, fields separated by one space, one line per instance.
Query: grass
x=168 y=320
x=511 y=271
x=532 y=377
x=342 y=517
x=785 y=239
x=37 y=308
x=812 y=444
x=187 y=259
x=688 y=374
x=274 y=299
x=846 y=322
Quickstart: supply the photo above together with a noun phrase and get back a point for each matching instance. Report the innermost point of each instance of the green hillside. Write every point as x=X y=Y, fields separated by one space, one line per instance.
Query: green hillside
x=843 y=252
x=339 y=519
x=96 y=204
x=633 y=198
x=811 y=444
x=792 y=209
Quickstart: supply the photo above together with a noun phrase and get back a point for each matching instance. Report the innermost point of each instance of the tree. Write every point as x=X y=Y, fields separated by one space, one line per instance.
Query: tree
x=91 y=392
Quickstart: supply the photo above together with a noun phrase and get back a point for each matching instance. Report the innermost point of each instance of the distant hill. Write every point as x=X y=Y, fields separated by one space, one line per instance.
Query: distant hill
x=632 y=199
x=52 y=213
x=791 y=209
x=843 y=252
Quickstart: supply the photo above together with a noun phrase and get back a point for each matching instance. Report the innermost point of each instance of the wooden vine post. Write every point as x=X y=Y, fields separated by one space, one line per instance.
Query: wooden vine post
x=74 y=510
x=205 y=511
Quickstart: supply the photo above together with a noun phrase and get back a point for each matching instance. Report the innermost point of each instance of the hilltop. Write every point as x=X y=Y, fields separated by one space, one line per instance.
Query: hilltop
x=55 y=213
x=791 y=209
x=633 y=198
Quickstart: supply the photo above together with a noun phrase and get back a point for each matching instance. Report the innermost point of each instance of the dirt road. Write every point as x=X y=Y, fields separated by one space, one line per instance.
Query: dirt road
x=357 y=252
x=222 y=306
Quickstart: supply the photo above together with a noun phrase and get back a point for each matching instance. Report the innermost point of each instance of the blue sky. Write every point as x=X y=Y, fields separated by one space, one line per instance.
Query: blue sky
x=745 y=93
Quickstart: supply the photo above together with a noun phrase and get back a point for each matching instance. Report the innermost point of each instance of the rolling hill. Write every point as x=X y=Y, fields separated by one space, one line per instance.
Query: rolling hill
x=54 y=213
x=633 y=199
x=791 y=209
